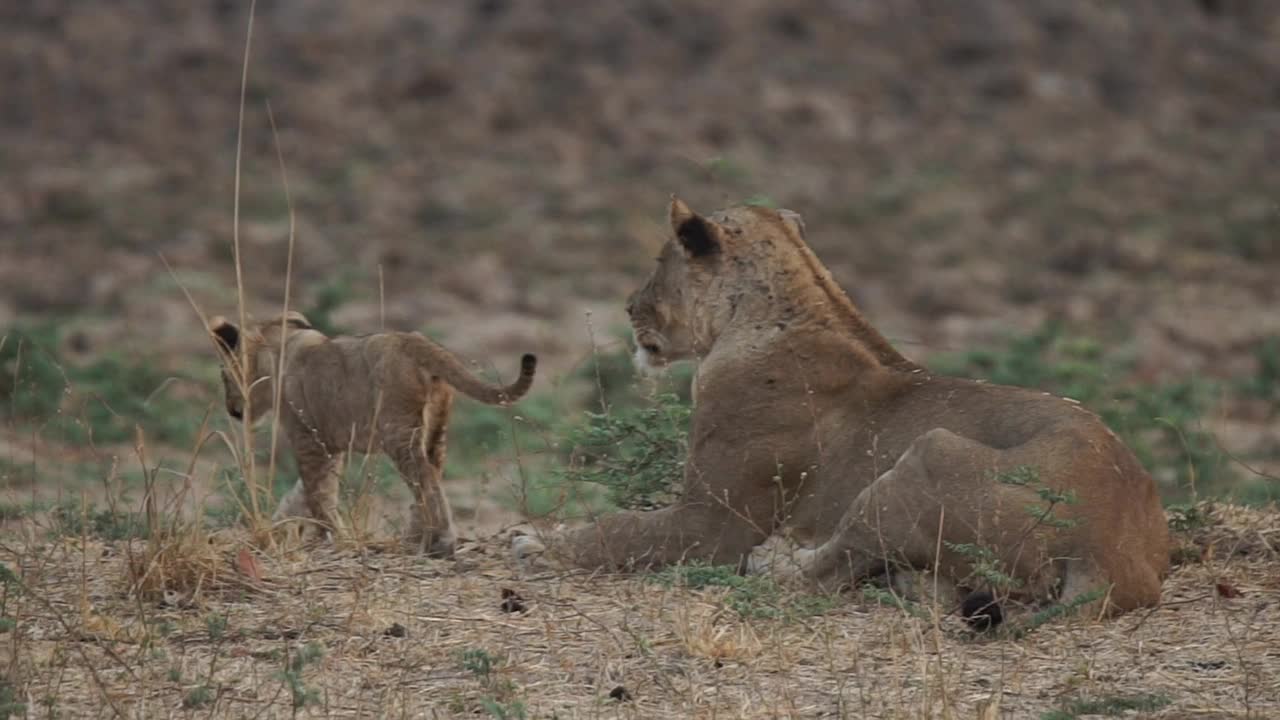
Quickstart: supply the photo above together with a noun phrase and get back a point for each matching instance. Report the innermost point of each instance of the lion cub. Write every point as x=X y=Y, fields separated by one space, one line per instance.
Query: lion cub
x=390 y=392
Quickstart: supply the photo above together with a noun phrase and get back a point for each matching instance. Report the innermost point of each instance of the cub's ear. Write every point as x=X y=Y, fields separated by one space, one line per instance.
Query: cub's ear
x=792 y=218
x=297 y=320
x=226 y=333
x=698 y=236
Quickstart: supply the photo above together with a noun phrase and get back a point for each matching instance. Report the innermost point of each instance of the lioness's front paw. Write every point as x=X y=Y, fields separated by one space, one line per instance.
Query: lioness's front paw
x=528 y=549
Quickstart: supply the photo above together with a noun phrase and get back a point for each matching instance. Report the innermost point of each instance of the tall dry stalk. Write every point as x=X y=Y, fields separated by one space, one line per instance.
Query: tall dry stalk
x=250 y=474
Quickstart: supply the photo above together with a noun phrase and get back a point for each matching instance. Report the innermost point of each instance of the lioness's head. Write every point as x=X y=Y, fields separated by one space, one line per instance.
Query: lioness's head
x=702 y=273
x=257 y=348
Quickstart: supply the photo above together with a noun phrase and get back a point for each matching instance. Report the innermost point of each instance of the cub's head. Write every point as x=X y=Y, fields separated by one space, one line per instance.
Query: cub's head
x=248 y=360
x=704 y=272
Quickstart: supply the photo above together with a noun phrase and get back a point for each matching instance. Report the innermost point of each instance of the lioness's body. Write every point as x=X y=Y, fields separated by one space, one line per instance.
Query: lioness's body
x=807 y=421
x=389 y=392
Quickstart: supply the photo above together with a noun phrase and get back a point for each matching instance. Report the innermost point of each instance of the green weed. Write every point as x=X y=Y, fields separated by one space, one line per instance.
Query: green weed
x=330 y=296
x=1051 y=613
x=1112 y=706
x=10 y=706
x=1265 y=382
x=636 y=453
x=71 y=519
x=751 y=596
x=31 y=378
x=18 y=510
x=300 y=694
x=197 y=697
x=513 y=710
x=103 y=400
x=880 y=596
x=478 y=662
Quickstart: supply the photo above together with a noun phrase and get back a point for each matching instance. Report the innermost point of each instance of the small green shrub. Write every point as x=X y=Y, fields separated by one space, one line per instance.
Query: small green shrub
x=31 y=378
x=1113 y=706
x=69 y=519
x=512 y=710
x=478 y=662
x=197 y=697
x=751 y=596
x=638 y=454
x=109 y=396
x=478 y=432
x=880 y=596
x=330 y=296
x=292 y=675
x=1265 y=382
x=10 y=706
x=1050 y=613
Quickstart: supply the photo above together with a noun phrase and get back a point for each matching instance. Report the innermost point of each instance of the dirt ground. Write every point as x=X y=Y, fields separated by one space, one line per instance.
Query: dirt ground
x=497 y=173
x=389 y=635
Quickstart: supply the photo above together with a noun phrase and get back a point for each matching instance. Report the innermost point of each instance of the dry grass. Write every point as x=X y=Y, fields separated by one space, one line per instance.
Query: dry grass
x=393 y=635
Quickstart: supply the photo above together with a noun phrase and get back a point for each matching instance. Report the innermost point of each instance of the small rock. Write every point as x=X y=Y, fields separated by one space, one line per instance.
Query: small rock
x=396 y=630
x=620 y=694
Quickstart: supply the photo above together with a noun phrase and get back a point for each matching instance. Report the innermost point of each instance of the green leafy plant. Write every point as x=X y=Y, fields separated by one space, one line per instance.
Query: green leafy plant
x=10 y=706
x=197 y=697
x=1265 y=382
x=985 y=566
x=754 y=596
x=881 y=596
x=638 y=454
x=1029 y=477
x=512 y=710
x=292 y=675
x=1052 y=612
x=31 y=377
x=1112 y=706
x=104 y=400
x=478 y=662
x=331 y=295
x=70 y=519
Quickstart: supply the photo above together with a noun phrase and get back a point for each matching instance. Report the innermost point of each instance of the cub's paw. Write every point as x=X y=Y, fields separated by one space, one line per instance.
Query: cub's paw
x=431 y=543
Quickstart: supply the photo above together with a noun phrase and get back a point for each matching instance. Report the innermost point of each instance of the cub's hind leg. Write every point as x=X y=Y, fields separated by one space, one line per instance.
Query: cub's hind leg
x=419 y=455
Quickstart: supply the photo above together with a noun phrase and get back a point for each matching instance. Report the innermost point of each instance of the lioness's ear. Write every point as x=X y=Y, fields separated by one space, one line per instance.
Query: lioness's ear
x=226 y=333
x=697 y=235
x=297 y=320
x=792 y=218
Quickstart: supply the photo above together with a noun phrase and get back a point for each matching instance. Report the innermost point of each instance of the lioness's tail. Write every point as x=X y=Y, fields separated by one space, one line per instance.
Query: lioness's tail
x=438 y=360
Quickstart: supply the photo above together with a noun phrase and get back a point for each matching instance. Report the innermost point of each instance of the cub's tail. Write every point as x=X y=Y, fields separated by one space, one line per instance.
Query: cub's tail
x=439 y=360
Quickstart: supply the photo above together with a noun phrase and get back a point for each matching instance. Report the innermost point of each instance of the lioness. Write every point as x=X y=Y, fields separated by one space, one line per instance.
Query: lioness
x=808 y=423
x=390 y=392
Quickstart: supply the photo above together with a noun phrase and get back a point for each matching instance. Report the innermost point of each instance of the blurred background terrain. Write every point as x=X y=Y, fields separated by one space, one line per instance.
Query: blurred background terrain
x=1083 y=196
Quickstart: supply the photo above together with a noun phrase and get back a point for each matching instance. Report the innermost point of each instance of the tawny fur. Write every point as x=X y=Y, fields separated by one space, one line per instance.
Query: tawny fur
x=389 y=392
x=808 y=423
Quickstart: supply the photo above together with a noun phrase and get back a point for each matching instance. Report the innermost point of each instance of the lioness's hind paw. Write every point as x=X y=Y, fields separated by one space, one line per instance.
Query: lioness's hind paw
x=779 y=558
